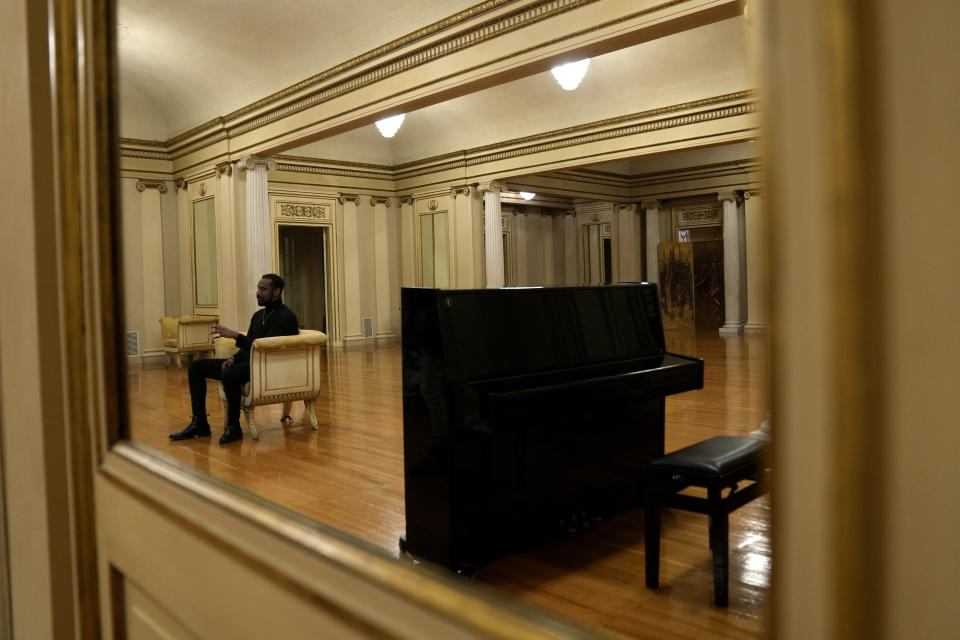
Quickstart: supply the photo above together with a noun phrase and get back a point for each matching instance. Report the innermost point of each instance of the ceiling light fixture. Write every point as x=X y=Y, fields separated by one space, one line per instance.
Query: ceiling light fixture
x=388 y=126
x=527 y=195
x=569 y=75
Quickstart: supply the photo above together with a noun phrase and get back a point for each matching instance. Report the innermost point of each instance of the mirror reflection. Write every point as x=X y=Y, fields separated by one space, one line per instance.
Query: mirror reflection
x=585 y=186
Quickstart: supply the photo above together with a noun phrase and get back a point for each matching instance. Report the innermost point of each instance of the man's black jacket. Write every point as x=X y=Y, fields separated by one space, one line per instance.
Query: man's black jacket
x=275 y=319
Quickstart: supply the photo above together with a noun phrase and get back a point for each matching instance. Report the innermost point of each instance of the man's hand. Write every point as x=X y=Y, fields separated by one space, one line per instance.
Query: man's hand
x=227 y=362
x=223 y=331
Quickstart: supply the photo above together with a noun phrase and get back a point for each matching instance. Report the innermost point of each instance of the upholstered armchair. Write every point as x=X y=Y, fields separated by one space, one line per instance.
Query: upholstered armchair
x=187 y=334
x=282 y=369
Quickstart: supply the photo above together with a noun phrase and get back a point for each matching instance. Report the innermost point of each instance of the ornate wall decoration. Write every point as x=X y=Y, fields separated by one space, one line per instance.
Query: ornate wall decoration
x=343 y=198
x=432 y=205
x=375 y=200
x=225 y=168
x=698 y=216
x=180 y=183
x=143 y=185
x=312 y=211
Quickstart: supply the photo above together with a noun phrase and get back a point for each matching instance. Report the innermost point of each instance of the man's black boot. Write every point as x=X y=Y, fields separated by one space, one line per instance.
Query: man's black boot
x=198 y=428
x=232 y=433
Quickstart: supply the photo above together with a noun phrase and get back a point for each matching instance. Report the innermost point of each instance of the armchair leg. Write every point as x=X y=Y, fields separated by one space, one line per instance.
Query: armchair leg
x=311 y=414
x=251 y=422
x=285 y=415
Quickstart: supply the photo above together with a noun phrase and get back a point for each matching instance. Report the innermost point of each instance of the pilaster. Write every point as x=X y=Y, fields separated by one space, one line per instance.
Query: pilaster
x=353 y=328
x=151 y=252
x=757 y=278
x=651 y=214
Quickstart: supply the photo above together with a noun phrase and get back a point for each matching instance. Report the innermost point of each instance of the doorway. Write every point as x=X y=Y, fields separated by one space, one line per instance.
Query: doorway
x=707 y=275
x=303 y=254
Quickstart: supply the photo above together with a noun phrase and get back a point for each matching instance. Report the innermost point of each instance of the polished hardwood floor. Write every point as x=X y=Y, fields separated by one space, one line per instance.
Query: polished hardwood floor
x=349 y=475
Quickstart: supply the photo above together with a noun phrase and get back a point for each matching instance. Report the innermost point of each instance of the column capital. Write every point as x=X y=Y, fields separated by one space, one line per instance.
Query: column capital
x=463 y=189
x=629 y=206
x=224 y=168
x=180 y=183
x=728 y=196
x=143 y=185
x=375 y=200
x=651 y=204
x=407 y=199
x=252 y=162
x=750 y=193
x=491 y=187
x=343 y=198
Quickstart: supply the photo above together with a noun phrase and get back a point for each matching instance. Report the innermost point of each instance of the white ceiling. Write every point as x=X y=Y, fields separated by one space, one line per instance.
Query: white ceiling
x=184 y=63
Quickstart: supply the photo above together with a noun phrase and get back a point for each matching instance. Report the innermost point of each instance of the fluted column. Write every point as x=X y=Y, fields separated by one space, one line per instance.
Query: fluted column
x=408 y=250
x=651 y=210
x=627 y=237
x=733 y=285
x=351 y=267
x=549 y=263
x=259 y=250
x=151 y=251
x=493 y=233
x=382 y=262
x=756 y=261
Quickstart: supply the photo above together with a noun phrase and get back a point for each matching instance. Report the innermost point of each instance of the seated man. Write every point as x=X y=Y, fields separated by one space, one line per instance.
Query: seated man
x=275 y=319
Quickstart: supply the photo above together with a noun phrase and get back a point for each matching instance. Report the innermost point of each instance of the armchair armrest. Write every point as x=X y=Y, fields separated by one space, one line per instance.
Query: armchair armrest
x=283 y=343
x=225 y=347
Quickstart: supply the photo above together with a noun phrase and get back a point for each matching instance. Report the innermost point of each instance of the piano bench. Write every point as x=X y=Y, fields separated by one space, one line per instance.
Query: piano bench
x=715 y=464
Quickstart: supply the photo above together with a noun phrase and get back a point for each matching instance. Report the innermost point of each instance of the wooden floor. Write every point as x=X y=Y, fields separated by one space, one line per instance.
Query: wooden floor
x=349 y=474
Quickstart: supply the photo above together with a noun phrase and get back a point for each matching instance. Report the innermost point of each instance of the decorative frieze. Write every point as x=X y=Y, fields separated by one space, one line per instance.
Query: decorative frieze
x=143 y=185
x=698 y=216
x=309 y=211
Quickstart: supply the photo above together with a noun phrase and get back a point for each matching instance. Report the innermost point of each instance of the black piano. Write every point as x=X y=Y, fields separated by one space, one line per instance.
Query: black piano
x=527 y=411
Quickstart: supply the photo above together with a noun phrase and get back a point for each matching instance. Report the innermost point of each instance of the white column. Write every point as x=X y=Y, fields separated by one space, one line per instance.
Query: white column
x=351 y=268
x=381 y=256
x=627 y=237
x=756 y=261
x=549 y=265
x=733 y=285
x=571 y=249
x=259 y=249
x=408 y=257
x=651 y=210
x=151 y=253
x=493 y=233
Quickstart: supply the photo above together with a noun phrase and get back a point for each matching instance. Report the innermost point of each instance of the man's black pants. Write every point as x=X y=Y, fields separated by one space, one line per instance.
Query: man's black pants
x=233 y=379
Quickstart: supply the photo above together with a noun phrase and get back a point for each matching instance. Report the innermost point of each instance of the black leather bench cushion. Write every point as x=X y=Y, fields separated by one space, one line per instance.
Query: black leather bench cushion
x=717 y=456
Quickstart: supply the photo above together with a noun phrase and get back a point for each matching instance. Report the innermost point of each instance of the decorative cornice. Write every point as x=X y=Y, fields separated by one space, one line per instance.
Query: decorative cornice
x=375 y=200
x=298 y=210
x=143 y=185
x=330 y=171
x=181 y=184
x=343 y=198
x=226 y=168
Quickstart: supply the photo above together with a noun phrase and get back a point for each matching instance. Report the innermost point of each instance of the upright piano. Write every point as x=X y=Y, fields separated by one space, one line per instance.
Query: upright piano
x=528 y=409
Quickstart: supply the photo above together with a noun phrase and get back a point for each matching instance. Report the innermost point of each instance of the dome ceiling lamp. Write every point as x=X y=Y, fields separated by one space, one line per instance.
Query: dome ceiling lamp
x=569 y=75
x=388 y=126
x=527 y=195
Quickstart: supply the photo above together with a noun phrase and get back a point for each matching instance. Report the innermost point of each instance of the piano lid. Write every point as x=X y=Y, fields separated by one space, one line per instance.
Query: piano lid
x=490 y=333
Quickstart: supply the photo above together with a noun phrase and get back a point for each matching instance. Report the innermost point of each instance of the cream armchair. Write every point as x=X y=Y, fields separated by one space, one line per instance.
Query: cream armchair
x=282 y=369
x=187 y=334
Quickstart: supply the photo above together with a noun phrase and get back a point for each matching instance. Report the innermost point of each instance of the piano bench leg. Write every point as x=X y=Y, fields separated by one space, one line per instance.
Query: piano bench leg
x=651 y=534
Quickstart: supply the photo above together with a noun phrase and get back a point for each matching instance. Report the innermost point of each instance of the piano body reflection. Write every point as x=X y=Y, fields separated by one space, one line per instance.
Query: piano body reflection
x=526 y=408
